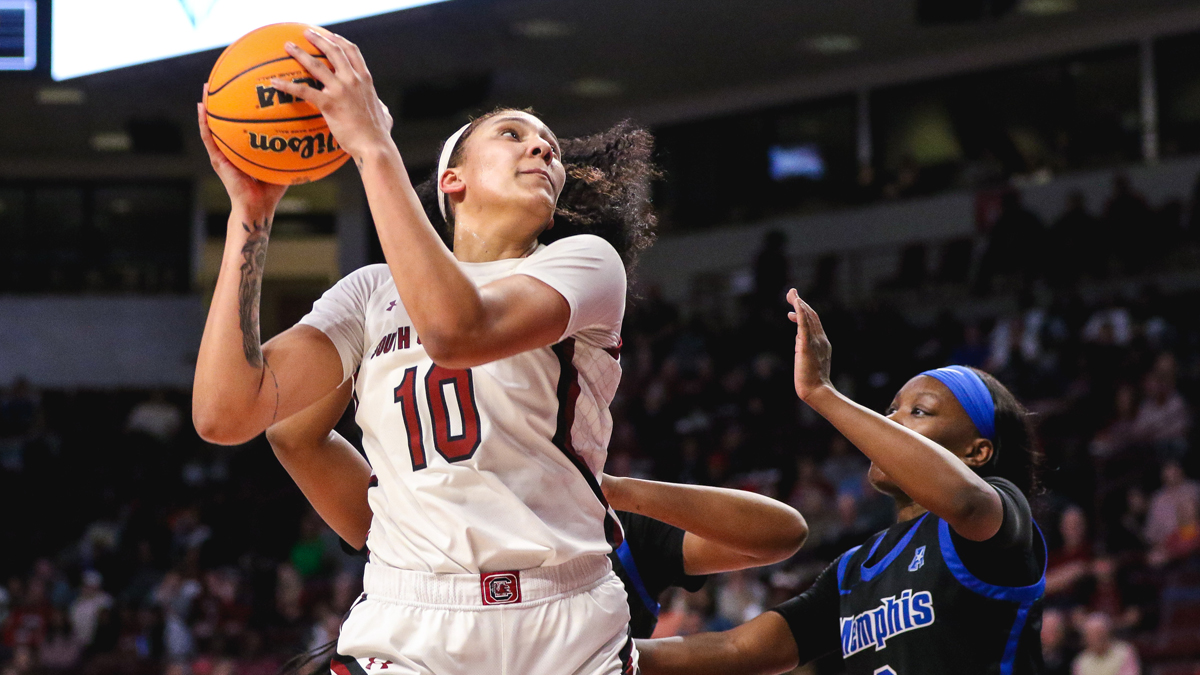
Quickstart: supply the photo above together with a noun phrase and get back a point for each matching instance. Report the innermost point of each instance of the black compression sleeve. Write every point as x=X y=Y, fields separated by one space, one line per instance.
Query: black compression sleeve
x=1011 y=557
x=813 y=615
x=1017 y=528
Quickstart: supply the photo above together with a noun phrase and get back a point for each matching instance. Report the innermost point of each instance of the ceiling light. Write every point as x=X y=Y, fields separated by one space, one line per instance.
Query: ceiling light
x=60 y=96
x=292 y=204
x=833 y=44
x=542 y=29
x=1047 y=7
x=595 y=87
x=112 y=141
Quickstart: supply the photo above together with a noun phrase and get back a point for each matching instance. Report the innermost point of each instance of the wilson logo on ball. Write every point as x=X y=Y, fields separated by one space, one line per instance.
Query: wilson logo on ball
x=306 y=146
x=270 y=96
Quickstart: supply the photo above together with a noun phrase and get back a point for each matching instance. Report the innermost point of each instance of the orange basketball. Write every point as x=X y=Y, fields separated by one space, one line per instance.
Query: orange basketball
x=270 y=135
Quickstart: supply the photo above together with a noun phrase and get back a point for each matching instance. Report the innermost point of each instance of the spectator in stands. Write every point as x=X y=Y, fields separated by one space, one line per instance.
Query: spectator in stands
x=811 y=495
x=1183 y=541
x=155 y=417
x=60 y=651
x=175 y=596
x=1014 y=244
x=1017 y=340
x=1102 y=654
x=1107 y=595
x=1117 y=435
x=85 y=611
x=22 y=661
x=29 y=619
x=844 y=467
x=1126 y=535
x=20 y=417
x=1168 y=501
x=1076 y=246
x=771 y=270
x=1110 y=325
x=1056 y=649
x=972 y=352
x=1163 y=419
x=1071 y=561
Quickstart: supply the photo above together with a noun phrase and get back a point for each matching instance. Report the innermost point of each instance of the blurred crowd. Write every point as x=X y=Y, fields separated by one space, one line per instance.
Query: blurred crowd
x=133 y=547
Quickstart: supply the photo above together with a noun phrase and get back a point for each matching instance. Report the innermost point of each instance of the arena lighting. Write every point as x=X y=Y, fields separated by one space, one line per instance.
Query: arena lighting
x=543 y=29
x=90 y=36
x=796 y=161
x=18 y=34
x=595 y=87
x=1047 y=7
x=833 y=44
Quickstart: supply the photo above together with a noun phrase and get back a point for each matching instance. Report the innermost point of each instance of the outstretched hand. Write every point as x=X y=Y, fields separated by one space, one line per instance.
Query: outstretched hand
x=813 y=351
x=244 y=191
x=347 y=98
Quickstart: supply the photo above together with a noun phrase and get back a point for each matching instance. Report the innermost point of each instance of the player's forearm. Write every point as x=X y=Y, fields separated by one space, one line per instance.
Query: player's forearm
x=752 y=524
x=445 y=306
x=700 y=654
x=763 y=646
x=928 y=473
x=234 y=392
x=334 y=478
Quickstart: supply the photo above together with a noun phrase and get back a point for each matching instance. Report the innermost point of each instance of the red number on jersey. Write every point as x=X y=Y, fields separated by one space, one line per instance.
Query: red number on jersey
x=455 y=447
x=406 y=396
x=451 y=396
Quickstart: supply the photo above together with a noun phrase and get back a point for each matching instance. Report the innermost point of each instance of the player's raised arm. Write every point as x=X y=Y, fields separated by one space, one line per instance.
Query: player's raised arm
x=924 y=470
x=725 y=529
x=460 y=324
x=242 y=387
x=761 y=646
x=326 y=468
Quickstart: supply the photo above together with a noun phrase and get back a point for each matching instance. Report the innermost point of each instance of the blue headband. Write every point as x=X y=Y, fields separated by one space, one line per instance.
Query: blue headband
x=972 y=394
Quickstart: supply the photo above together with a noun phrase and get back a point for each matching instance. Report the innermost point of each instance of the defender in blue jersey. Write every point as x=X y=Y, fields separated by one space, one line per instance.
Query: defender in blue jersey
x=954 y=587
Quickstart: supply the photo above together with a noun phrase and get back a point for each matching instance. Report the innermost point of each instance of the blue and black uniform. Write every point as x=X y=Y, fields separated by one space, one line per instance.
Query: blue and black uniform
x=649 y=561
x=918 y=598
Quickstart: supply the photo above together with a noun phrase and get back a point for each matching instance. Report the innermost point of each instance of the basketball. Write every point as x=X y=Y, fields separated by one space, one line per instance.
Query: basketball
x=272 y=136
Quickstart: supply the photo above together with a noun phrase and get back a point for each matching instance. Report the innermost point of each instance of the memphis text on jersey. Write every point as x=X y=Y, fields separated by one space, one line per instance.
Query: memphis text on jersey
x=893 y=616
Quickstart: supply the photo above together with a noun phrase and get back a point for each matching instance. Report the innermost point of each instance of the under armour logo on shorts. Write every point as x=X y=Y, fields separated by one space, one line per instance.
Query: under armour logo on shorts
x=918 y=560
x=500 y=588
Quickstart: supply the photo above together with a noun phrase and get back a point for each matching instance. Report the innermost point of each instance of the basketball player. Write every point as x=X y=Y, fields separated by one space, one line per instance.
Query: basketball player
x=483 y=377
x=954 y=587
x=675 y=535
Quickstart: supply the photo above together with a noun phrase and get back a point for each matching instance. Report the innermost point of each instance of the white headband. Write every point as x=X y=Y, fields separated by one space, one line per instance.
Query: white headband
x=443 y=164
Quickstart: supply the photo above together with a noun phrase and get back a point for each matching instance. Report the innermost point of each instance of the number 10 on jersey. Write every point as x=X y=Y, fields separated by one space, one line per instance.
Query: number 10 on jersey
x=451 y=397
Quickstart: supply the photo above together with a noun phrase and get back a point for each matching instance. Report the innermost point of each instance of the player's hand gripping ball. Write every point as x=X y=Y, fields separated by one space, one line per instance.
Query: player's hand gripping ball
x=269 y=134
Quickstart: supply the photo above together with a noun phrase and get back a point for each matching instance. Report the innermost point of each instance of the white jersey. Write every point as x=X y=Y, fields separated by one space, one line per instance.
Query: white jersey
x=494 y=467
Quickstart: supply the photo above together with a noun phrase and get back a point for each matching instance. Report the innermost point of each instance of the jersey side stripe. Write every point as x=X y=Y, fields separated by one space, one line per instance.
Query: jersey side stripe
x=568 y=394
x=345 y=665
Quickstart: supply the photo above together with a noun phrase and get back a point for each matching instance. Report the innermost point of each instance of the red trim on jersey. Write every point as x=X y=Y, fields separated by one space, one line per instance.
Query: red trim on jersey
x=615 y=352
x=346 y=665
x=628 y=665
x=568 y=395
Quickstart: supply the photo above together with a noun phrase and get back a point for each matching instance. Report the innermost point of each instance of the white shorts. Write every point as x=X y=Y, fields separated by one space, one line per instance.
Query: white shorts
x=566 y=620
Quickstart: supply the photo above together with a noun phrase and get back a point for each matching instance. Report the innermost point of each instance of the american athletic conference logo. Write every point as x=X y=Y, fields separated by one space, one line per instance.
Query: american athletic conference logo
x=501 y=588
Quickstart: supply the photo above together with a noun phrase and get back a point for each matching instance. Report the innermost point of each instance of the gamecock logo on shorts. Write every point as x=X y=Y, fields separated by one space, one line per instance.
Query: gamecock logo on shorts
x=501 y=588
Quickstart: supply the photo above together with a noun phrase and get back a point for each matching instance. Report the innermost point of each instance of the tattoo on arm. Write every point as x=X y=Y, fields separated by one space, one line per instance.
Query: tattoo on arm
x=254 y=256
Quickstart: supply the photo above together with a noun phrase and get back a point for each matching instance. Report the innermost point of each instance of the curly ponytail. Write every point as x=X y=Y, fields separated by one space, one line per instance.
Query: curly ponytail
x=607 y=192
